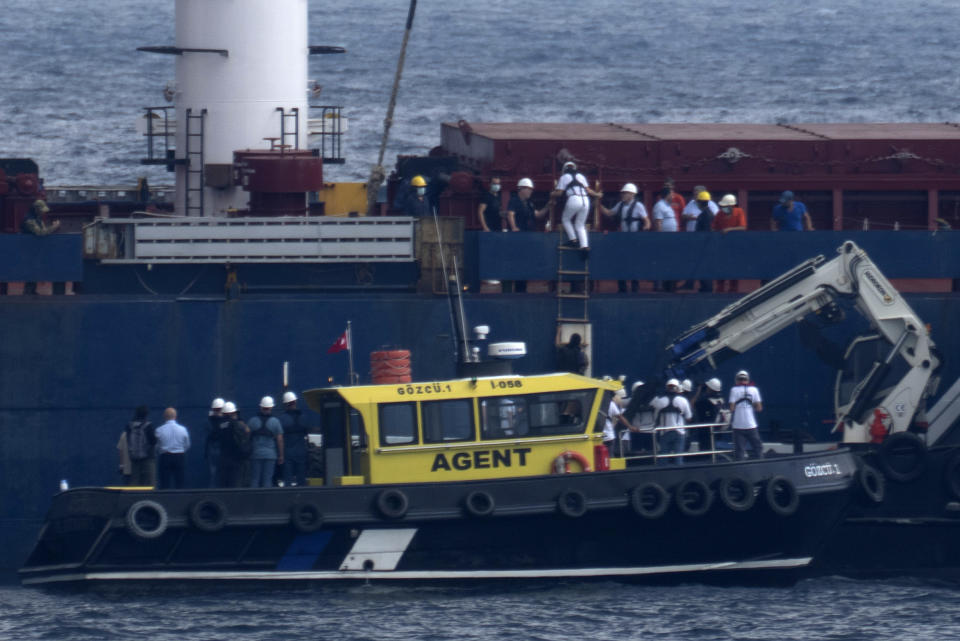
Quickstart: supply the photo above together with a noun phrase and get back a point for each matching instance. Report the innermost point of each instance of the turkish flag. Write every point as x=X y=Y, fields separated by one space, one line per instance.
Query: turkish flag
x=340 y=344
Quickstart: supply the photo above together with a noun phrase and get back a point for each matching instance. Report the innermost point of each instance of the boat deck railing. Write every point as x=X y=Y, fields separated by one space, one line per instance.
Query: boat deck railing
x=279 y=239
x=655 y=456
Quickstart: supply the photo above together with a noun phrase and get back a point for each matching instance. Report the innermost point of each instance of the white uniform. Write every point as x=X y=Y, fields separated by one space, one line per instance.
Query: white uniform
x=675 y=418
x=663 y=211
x=743 y=415
x=577 y=208
x=632 y=215
x=692 y=209
x=609 y=426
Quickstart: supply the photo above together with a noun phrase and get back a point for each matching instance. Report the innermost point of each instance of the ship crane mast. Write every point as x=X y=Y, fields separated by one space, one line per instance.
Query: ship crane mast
x=815 y=287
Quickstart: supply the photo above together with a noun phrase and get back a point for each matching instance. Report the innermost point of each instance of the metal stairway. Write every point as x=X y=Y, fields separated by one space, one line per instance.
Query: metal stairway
x=573 y=268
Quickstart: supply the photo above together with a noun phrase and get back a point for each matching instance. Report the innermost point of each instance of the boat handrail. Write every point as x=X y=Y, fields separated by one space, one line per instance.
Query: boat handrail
x=713 y=451
x=492 y=442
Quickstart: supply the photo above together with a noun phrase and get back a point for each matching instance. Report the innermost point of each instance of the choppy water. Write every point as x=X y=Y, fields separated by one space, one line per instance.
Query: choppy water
x=73 y=85
x=823 y=609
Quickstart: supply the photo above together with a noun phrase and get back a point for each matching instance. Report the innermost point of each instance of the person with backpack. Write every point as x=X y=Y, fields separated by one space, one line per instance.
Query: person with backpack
x=672 y=410
x=632 y=216
x=235 y=448
x=640 y=415
x=295 y=432
x=142 y=448
x=266 y=433
x=573 y=186
x=211 y=447
x=744 y=402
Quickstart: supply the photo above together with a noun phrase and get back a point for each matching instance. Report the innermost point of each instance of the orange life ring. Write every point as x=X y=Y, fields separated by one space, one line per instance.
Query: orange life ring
x=561 y=464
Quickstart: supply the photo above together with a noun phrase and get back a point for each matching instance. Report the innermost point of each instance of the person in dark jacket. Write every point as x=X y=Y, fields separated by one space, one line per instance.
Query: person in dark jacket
x=294 y=442
x=142 y=447
x=211 y=447
x=234 y=448
x=570 y=357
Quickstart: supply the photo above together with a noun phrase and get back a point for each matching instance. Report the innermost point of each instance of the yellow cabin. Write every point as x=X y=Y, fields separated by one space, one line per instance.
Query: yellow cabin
x=457 y=430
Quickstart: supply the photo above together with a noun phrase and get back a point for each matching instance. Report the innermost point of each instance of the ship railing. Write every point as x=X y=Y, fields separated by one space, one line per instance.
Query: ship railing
x=278 y=239
x=714 y=429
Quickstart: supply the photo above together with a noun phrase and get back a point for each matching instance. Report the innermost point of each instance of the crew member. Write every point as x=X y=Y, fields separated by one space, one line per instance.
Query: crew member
x=664 y=219
x=267 y=437
x=632 y=216
x=33 y=221
x=234 y=448
x=173 y=441
x=417 y=203
x=790 y=215
x=700 y=203
x=730 y=218
x=142 y=449
x=573 y=186
x=488 y=211
x=211 y=448
x=611 y=425
x=745 y=401
x=672 y=410
x=570 y=357
x=295 y=442
x=639 y=416
x=709 y=409
x=522 y=215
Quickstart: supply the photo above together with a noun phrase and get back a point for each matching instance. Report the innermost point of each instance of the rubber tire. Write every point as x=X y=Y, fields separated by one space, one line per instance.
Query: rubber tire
x=951 y=475
x=770 y=492
x=306 y=517
x=204 y=524
x=706 y=501
x=872 y=483
x=392 y=503
x=659 y=508
x=572 y=503
x=136 y=530
x=898 y=441
x=479 y=503
x=748 y=498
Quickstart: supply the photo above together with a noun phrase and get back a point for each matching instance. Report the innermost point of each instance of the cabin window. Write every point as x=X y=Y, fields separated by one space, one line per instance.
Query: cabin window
x=555 y=413
x=602 y=412
x=504 y=417
x=398 y=423
x=446 y=421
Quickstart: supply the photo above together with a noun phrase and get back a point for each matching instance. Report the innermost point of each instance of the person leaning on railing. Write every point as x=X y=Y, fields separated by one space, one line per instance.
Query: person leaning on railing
x=33 y=222
x=729 y=218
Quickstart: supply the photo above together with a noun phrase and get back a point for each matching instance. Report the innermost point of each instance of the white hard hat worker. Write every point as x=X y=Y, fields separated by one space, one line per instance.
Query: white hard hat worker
x=569 y=166
x=687 y=385
x=743 y=375
x=715 y=384
x=229 y=408
x=636 y=385
x=289 y=397
x=673 y=384
x=266 y=402
x=217 y=404
x=620 y=396
x=728 y=201
x=525 y=183
x=629 y=188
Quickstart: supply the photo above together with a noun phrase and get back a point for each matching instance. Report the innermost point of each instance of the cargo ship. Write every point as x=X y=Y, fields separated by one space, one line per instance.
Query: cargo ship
x=176 y=295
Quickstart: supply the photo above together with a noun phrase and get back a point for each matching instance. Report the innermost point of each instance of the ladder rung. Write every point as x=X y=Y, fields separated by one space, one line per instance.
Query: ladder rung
x=561 y=319
x=573 y=272
x=560 y=295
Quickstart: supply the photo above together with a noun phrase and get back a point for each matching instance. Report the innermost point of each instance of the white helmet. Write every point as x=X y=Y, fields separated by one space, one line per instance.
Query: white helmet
x=673 y=383
x=525 y=182
x=743 y=374
x=715 y=384
x=266 y=402
x=289 y=397
x=636 y=385
x=687 y=385
x=620 y=394
x=630 y=187
x=569 y=165
x=229 y=408
x=728 y=201
x=217 y=404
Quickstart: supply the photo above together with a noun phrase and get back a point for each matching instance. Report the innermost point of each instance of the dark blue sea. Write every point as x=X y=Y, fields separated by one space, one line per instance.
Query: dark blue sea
x=73 y=85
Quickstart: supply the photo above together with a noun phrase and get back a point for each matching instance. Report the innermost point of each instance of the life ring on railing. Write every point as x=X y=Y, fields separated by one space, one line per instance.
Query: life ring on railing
x=871 y=483
x=572 y=503
x=736 y=493
x=693 y=497
x=649 y=500
x=306 y=517
x=147 y=519
x=393 y=503
x=903 y=457
x=951 y=475
x=781 y=495
x=208 y=515
x=479 y=503
x=561 y=464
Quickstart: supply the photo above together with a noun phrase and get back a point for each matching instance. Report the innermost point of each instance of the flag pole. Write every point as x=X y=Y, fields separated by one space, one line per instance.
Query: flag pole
x=350 y=351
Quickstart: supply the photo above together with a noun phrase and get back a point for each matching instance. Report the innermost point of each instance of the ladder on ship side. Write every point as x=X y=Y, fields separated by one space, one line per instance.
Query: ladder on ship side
x=193 y=196
x=286 y=132
x=573 y=285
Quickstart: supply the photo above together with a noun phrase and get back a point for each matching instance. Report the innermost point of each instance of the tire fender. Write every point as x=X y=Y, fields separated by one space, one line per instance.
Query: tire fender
x=142 y=507
x=781 y=495
x=208 y=515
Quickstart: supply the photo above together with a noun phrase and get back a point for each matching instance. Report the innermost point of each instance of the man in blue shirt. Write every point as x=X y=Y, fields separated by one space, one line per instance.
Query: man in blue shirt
x=790 y=215
x=267 y=434
x=173 y=441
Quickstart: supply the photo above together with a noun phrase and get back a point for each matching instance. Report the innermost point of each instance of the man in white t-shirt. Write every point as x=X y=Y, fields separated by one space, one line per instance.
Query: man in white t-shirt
x=745 y=401
x=573 y=186
x=672 y=410
x=613 y=419
x=664 y=218
x=700 y=201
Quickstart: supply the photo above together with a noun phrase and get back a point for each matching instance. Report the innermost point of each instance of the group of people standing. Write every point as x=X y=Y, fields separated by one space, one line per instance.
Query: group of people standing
x=263 y=451
x=632 y=422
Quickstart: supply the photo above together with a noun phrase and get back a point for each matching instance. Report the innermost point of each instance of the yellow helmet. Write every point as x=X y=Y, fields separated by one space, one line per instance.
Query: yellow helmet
x=703 y=195
x=418 y=181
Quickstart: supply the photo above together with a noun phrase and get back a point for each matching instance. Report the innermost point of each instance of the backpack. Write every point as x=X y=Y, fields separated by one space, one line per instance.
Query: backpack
x=138 y=440
x=242 y=443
